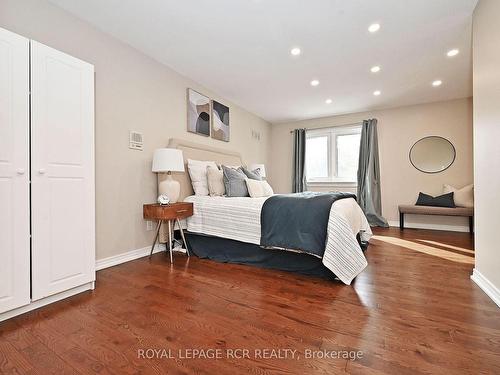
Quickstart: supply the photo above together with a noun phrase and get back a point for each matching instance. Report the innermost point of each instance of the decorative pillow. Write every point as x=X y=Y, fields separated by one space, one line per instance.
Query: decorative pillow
x=258 y=189
x=234 y=182
x=215 y=179
x=445 y=200
x=254 y=175
x=463 y=197
x=198 y=172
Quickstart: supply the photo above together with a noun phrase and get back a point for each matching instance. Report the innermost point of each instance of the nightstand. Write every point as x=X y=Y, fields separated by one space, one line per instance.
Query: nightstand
x=171 y=213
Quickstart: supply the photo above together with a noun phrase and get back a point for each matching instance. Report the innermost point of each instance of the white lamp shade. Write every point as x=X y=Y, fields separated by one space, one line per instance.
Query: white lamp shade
x=260 y=167
x=168 y=160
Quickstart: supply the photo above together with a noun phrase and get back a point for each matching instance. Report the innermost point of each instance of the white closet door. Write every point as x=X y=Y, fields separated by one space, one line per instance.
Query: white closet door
x=62 y=170
x=14 y=172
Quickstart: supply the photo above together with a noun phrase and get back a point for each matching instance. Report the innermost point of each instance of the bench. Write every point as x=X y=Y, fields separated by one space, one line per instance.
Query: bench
x=428 y=210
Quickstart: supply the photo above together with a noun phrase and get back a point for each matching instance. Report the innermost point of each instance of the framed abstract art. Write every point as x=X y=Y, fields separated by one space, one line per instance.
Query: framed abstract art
x=198 y=113
x=220 y=121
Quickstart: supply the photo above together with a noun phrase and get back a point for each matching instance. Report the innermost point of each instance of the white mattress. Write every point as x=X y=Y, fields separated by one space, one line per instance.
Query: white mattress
x=239 y=219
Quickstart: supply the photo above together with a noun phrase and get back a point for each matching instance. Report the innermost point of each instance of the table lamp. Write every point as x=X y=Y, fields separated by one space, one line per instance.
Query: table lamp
x=168 y=160
x=259 y=167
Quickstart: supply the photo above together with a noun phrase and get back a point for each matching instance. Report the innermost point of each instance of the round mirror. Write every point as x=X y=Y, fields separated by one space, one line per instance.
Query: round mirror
x=432 y=154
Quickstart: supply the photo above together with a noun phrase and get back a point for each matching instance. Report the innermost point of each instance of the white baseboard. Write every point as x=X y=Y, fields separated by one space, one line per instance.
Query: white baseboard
x=46 y=301
x=491 y=290
x=126 y=257
x=410 y=225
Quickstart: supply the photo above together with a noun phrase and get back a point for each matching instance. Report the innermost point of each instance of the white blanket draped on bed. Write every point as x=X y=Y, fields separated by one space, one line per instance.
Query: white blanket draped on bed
x=239 y=219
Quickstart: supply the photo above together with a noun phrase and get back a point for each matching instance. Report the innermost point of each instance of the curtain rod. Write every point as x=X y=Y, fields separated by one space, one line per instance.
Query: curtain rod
x=333 y=126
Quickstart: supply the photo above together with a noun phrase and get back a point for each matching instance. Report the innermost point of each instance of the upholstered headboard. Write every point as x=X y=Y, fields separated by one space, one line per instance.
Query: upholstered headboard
x=196 y=151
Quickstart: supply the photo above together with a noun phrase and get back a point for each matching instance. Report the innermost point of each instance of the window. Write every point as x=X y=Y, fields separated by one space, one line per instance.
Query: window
x=332 y=154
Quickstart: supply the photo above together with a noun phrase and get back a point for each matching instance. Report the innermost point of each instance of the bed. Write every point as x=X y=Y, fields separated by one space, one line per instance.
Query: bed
x=229 y=229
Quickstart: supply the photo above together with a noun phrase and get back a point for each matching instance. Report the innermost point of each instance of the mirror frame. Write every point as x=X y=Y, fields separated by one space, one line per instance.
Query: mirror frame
x=433 y=136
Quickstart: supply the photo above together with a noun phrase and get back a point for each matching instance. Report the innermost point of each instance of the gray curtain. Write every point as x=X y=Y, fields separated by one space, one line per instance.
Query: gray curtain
x=369 y=175
x=299 y=160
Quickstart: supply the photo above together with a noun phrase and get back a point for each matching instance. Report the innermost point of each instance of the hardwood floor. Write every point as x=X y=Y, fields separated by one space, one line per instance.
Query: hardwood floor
x=413 y=310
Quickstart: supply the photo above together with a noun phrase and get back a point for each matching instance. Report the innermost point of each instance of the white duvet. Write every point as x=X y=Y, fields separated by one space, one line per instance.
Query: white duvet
x=239 y=219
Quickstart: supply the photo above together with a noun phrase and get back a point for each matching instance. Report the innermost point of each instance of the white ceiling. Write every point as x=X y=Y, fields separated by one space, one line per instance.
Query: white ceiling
x=241 y=49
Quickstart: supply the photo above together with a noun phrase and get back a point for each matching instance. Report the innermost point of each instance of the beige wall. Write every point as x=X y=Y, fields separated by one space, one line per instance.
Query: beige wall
x=133 y=92
x=486 y=72
x=398 y=129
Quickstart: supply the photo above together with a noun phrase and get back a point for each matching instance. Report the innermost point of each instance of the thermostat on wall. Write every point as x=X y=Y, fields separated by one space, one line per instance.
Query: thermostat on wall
x=135 y=141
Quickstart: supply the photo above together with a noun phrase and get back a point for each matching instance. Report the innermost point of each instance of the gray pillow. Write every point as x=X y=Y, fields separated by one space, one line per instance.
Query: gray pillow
x=234 y=182
x=253 y=175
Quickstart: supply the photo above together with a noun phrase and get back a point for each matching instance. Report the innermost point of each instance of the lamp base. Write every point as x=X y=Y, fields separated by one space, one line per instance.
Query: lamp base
x=170 y=188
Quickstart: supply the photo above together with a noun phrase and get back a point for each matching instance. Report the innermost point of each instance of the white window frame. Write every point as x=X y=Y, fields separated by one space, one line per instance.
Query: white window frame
x=332 y=133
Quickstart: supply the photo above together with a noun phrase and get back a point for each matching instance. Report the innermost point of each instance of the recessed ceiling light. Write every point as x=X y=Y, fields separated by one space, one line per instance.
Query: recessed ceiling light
x=374 y=27
x=375 y=69
x=437 y=83
x=328 y=101
x=295 y=51
x=314 y=82
x=452 y=52
x=377 y=92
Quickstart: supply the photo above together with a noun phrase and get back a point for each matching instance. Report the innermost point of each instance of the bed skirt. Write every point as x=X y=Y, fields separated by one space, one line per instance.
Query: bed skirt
x=230 y=251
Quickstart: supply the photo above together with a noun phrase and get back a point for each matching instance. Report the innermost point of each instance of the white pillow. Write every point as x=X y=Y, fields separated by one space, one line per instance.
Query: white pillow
x=463 y=197
x=198 y=172
x=215 y=179
x=258 y=189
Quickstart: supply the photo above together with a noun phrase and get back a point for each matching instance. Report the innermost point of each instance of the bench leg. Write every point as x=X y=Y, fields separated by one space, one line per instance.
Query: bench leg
x=401 y=221
x=471 y=224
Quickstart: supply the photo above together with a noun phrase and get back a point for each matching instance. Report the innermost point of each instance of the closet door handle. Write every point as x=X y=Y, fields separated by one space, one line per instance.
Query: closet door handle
x=20 y=171
x=41 y=171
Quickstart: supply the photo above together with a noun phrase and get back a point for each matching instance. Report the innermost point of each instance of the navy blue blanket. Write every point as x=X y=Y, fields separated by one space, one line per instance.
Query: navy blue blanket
x=298 y=221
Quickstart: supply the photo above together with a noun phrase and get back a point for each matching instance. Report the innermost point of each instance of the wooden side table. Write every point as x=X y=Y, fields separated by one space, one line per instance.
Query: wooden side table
x=171 y=213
